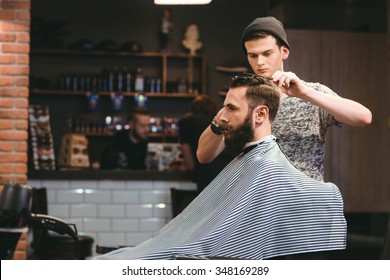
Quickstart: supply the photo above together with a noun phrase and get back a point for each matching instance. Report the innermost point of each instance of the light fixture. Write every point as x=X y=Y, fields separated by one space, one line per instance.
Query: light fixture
x=182 y=2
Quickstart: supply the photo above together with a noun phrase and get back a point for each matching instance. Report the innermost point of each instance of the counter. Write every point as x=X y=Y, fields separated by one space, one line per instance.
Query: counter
x=87 y=174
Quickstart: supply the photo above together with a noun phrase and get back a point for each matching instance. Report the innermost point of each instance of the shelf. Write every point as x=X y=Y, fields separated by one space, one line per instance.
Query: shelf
x=232 y=69
x=90 y=174
x=106 y=53
x=111 y=134
x=54 y=92
x=47 y=69
x=163 y=135
x=163 y=61
x=96 y=134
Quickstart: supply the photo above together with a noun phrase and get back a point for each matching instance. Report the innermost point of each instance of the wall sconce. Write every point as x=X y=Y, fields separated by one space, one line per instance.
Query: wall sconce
x=182 y=2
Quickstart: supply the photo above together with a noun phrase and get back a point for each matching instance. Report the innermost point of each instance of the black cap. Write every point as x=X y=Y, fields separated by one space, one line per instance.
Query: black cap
x=268 y=25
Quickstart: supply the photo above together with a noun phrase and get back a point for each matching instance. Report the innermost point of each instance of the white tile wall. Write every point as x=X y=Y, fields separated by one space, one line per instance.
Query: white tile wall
x=97 y=196
x=111 y=239
x=133 y=239
x=59 y=210
x=114 y=213
x=126 y=196
x=126 y=225
x=139 y=210
x=83 y=210
x=97 y=225
x=69 y=196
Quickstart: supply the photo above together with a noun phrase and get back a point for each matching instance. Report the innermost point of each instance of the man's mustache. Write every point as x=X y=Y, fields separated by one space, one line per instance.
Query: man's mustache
x=225 y=127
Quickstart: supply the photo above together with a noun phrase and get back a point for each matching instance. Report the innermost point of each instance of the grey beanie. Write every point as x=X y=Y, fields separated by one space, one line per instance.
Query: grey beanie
x=269 y=25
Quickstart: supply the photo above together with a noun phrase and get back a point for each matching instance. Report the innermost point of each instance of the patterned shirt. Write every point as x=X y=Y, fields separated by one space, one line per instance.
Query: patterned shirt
x=300 y=128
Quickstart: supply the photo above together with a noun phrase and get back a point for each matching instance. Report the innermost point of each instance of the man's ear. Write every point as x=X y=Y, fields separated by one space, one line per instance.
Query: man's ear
x=285 y=52
x=260 y=114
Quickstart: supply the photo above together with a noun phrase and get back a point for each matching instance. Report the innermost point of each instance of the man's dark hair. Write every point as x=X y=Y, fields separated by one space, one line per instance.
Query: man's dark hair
x=203 y=105
x=259 y=35
x=260 y=91
x=138 y=111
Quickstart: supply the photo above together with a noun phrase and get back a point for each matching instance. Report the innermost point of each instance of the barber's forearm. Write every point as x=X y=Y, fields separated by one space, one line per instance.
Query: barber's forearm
x=210 y=146
x=353 y=113
x=344 y=110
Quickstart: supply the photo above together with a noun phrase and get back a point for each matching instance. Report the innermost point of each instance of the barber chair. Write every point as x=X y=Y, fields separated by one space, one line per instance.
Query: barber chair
x=51 y=246
x=14 y=202
x=15 y=216
x=386 y=243
x=180 y=200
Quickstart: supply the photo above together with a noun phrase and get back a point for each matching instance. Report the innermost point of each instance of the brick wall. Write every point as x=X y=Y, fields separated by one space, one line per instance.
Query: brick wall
x=14 y=80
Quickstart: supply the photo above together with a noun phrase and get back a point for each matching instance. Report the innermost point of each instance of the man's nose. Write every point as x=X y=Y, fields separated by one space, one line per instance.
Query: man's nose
x=260 y=60
x=223 y=117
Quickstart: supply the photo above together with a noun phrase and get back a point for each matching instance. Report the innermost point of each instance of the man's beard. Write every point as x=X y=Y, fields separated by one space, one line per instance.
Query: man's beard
x=236 y=138
x=140 y=137
x=137 y=137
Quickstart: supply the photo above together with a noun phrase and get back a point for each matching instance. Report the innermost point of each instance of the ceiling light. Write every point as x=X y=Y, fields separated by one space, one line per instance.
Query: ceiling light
x=182 y=2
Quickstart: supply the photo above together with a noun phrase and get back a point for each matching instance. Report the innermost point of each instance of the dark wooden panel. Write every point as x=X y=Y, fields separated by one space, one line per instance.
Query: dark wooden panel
x=355 y=66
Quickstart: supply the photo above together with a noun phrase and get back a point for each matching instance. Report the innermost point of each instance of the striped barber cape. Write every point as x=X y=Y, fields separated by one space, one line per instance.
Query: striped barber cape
x=258 y=207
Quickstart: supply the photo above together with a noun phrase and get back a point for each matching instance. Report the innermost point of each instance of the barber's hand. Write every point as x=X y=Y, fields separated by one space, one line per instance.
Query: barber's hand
x=289 y=83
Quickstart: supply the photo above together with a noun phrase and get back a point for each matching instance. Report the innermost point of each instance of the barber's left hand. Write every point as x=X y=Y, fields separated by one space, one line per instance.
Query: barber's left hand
x=289 y=83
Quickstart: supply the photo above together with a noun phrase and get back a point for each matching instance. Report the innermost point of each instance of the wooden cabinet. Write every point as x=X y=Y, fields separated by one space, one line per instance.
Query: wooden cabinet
x=172 y=100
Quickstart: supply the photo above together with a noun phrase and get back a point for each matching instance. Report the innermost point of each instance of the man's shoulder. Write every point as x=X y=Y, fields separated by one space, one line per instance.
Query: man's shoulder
x=124 y=133
x=270 y=154
x=121 y=137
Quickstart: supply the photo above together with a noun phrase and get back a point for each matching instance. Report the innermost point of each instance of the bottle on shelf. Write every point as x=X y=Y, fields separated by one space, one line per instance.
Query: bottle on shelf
x=111 y=79
x=75 y=82
x=104 y=79
x=152 y=85
x=181 y=86
x=128 y=80
x=83 y=85
x=139 y=80
x=97 y=83
x=61 y=81
x=120 y=80
x=88 y=81
x=158 y=85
